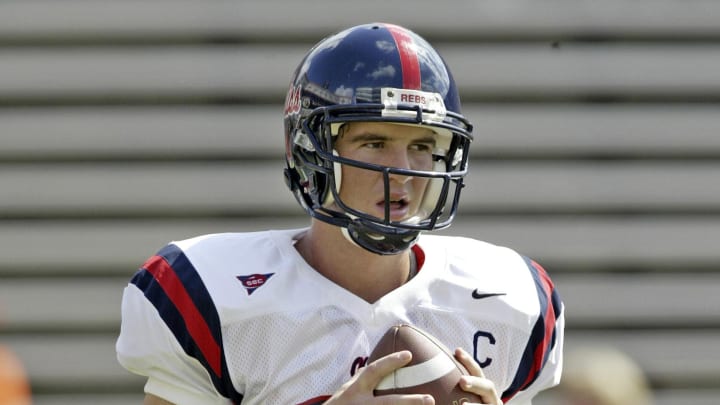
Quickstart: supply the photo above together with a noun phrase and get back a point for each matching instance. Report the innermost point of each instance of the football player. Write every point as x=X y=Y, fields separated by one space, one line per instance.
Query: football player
x=376 y=153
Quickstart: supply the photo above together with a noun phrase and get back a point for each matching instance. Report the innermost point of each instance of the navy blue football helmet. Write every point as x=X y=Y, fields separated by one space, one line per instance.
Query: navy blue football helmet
x=374 y=73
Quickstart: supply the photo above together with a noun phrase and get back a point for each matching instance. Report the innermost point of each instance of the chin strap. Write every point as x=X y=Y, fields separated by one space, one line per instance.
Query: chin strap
x=379 y=241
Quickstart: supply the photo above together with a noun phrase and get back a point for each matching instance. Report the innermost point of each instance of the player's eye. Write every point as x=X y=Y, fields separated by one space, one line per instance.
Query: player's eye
x=421 y=147
x=374 y=145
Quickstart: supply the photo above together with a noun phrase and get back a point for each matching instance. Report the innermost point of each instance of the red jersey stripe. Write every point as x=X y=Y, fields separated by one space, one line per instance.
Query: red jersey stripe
x=315 y=401
x=542 y=339
x=549 y=316
x=196 y=325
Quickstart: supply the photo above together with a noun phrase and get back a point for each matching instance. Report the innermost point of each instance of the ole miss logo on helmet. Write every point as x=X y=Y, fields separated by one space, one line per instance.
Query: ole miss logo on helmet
x=292 y=100
x=254 y=281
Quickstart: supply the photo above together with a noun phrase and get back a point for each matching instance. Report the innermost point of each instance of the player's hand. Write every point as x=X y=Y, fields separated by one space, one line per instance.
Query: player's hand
x=359 y=389
x=476 y=381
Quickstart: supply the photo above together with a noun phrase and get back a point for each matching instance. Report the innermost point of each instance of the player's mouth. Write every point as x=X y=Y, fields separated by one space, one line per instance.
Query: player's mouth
x=399 y=207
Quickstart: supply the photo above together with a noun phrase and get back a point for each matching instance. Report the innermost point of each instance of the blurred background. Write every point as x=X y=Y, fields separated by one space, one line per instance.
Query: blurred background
x=128 y=124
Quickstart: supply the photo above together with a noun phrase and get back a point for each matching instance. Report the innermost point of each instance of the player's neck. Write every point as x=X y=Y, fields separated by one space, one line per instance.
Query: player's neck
x=365 y=274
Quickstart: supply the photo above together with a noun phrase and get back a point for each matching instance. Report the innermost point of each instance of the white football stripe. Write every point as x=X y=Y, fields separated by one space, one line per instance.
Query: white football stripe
x=418 y=374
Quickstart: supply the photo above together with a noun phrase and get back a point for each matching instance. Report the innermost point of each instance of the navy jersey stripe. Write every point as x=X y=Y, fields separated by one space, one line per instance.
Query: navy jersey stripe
x=543 y=335
x=171 y=283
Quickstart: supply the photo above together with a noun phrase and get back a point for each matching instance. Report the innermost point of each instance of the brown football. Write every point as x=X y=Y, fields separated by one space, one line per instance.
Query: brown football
x=433 y=369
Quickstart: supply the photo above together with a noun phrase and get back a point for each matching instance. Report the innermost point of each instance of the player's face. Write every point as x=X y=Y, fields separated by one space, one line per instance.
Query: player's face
x=391 y=145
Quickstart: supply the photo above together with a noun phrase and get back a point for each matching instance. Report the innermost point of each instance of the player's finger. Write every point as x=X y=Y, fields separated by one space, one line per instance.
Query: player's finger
x=476 y=382
x=374 y=372
x=416 y=399
x=378 y=369
x=470 y=364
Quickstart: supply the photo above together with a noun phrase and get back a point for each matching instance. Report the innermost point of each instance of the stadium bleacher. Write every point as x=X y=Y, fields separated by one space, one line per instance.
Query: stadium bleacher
x=127 y=124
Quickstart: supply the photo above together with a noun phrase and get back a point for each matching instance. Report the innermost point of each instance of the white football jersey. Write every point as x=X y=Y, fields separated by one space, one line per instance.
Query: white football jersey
x=242 y=318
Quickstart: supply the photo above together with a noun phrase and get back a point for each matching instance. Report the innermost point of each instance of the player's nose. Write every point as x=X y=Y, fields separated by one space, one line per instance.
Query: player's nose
x=400 y=159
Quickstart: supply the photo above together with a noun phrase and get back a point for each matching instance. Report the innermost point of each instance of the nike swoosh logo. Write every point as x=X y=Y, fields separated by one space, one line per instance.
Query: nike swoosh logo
x=479 y=296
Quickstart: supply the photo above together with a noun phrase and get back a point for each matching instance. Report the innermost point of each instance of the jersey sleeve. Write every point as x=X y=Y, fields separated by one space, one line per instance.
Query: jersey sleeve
x=170 y=332
x=147 y=347
x=541 y=364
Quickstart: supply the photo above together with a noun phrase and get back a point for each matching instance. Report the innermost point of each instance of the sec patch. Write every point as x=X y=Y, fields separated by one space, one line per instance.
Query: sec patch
x=254 y=281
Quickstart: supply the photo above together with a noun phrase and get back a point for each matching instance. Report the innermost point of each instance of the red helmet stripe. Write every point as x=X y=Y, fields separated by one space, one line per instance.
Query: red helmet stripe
x=408 y=57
